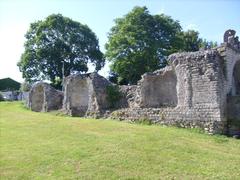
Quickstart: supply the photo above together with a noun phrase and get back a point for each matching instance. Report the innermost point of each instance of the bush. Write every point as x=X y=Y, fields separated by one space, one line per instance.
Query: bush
x=113 y=95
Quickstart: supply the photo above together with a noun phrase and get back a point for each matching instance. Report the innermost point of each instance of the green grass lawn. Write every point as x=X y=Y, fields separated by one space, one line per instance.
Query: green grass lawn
x=46 y=146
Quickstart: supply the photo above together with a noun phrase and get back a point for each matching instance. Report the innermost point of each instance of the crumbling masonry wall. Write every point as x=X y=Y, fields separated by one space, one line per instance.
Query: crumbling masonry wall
x=197 y=89
x=43 y=97
x=85 y=94
x=195 y=101
x=159 y=89
x=191 y=92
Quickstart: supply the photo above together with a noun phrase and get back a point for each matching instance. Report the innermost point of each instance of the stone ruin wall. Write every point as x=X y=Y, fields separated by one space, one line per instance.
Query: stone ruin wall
x=158 y=89
x=75 y=103
x=85 y=94
x=191 y=92
x=183 y=94
x=43 y=98
x=197 y=89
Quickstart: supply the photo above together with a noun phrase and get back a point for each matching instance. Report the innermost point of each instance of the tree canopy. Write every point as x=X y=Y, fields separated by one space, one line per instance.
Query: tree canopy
x=58 y=44
x=190 y=41
x=140 y=42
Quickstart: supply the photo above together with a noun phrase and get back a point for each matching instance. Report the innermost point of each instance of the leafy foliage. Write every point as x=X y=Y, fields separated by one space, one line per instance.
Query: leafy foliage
x=55 y=44
x=113 y=77
x=140 y=42
x=116 y=79
x=191 y=41
x=113 y=95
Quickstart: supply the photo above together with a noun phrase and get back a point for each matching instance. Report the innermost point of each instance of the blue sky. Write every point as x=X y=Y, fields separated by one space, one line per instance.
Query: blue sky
x=210 y=17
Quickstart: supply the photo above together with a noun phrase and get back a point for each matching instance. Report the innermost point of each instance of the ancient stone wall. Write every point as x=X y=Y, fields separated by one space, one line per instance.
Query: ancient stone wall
x=128 y=94
x=98 y=99
x=188 y=88
x=236 y=80
x=76 y=95
x=43 y=97
x=158 y=89
x=191 y=92
x=233 y=115
x=85 y=94
x=197 y=89
x=178 y=116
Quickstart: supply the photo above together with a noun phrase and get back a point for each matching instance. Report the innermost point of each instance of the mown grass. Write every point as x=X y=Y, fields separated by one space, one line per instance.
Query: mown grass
x=46 y=146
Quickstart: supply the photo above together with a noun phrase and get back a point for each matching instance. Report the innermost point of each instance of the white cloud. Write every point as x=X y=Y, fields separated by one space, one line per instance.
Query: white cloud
x=191 y=26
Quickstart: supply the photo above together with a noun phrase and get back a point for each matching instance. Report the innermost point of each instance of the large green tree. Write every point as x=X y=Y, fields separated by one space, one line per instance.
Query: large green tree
x=191 y=41
x=140 y=42
x=56 y=44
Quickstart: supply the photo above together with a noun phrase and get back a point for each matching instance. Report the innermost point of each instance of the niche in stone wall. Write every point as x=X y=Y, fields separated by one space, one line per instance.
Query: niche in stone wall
x=79 y=96
x=159 y=90
x=236 y=80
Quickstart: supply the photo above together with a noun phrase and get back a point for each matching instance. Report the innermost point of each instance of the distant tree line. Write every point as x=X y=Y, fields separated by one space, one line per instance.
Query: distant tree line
x=138 y=42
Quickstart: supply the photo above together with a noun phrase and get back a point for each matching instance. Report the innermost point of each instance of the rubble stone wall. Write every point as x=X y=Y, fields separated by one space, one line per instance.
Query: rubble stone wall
x=85 y=94
x=236 y=80
x=178 y=116
x=191 y=92
x=43 y=97
x=197 y=89
x=98 y=99
x=233 y=114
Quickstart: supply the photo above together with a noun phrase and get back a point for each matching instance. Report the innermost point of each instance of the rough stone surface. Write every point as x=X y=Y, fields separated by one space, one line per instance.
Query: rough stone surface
x=85 y=94
x=43 y=97
x=197 y=89
x=192 y=91
x=158 y=89
x=128 y=94
x=233 y=115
